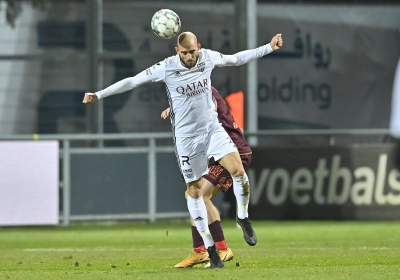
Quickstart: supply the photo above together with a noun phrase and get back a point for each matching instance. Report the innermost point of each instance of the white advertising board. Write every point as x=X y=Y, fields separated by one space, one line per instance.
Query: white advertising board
x=29 y=182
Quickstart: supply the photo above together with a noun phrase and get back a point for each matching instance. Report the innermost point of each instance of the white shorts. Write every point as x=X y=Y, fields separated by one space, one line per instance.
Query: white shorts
x=193 y=152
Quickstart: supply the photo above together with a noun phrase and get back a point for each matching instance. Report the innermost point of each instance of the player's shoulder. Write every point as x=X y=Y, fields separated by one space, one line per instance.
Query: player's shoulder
x=167 y=61
x=204 y=52
x=211 y=54
x=161 y=67
x=171 y=60
x=209 y=50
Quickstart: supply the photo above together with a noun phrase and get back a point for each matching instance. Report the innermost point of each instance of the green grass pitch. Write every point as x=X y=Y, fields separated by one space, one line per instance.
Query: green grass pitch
x=139 y=250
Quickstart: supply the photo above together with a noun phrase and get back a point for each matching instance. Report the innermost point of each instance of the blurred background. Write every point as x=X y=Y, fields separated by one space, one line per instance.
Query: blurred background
x=317 y=113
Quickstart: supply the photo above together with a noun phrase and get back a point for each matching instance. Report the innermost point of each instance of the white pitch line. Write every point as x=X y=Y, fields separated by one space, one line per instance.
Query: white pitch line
x=334 y=248
x=169 y=249
x=94 y=249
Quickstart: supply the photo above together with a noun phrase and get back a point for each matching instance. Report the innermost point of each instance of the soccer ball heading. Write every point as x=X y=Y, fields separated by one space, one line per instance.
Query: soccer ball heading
x=165 y=23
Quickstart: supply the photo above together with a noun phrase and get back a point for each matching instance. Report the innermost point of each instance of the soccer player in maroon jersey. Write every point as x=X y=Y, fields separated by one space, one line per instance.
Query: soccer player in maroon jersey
x=218 y=179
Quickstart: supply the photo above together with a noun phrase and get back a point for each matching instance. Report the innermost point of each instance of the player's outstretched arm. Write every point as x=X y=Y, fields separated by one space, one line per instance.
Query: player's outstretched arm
x=246 y=56
x=276 y=42
x=155 y=75
x=89 y=98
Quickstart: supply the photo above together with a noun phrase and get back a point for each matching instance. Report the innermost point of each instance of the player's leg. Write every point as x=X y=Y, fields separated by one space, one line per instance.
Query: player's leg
x=193 y=165
x=241 y=187
x=199 y=253
x=224 y=151
x=198 y=213
x=214 y=220
x=219 y=180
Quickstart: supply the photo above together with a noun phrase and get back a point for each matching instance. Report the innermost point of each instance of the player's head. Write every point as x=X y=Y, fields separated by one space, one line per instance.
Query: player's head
x=188 y=49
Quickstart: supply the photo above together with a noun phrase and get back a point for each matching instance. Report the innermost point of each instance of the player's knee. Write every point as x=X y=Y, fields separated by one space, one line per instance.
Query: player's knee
x=208 y=191
x=194 y=190
x=207 y=196
x=237 y=171
x=196 y=193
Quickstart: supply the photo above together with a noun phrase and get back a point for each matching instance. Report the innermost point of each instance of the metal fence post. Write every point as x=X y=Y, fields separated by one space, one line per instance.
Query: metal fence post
x=152 y=193
x=66 y=182
x=252 y=73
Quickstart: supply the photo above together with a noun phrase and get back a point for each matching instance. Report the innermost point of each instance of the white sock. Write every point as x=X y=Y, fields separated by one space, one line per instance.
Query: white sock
x=198 y=211
x=241 y=188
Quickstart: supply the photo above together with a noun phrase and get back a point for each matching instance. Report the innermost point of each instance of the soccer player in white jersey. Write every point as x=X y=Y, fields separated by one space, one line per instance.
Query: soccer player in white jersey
x=218 y=179
x=197 y=133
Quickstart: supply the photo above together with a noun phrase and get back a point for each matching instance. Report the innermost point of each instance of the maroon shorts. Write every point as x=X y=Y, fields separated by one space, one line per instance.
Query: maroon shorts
x=220 y=177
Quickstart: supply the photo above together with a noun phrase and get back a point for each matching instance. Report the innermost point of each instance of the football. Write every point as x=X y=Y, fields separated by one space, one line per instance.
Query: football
x=165 y=23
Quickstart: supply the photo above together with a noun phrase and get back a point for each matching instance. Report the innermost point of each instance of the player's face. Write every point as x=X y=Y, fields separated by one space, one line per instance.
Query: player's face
x=188 y=54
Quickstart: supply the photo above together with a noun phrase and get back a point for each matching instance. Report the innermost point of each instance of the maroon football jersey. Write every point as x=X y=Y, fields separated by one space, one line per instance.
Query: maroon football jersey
x=228 y=123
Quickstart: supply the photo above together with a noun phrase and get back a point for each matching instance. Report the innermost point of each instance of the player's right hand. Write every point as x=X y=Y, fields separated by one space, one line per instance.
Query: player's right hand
x=89 y=98
x=165 y=113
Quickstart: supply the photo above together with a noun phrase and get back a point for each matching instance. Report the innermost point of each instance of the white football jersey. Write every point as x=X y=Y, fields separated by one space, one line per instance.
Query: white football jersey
x=189 y=90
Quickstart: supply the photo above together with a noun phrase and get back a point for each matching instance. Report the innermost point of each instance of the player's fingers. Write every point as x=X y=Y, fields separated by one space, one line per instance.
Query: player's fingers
x=88 y=98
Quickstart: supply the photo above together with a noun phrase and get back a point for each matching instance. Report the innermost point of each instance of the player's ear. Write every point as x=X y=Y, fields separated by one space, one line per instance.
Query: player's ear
x=198 y=46
x=177 y=50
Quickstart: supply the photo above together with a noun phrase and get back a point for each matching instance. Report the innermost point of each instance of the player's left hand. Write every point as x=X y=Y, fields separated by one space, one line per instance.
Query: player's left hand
x=165 y=113
x=276 y=42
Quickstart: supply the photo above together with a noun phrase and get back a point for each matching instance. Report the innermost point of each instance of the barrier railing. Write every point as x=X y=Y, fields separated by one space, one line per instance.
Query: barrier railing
x=151 y=149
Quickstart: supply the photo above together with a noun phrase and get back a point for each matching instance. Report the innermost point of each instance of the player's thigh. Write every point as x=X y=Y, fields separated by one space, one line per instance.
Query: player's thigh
x=219 y=178
x=233 y=163
x=220 y=144
x=208 y=189
x=192 y=157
